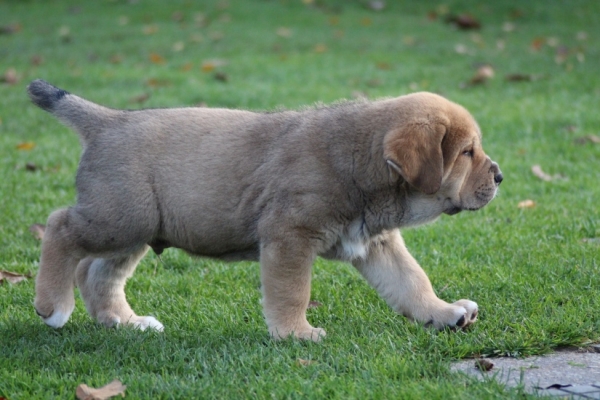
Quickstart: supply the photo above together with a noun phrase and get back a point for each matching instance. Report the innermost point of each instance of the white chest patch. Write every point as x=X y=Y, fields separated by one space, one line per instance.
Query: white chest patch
x=354 y=242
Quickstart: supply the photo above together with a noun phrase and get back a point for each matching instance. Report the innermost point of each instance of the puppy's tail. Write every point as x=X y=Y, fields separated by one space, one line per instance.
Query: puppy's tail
x=85 y=117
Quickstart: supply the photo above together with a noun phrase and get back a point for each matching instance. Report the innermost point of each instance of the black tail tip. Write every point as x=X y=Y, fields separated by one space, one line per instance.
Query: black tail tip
x=44 y=95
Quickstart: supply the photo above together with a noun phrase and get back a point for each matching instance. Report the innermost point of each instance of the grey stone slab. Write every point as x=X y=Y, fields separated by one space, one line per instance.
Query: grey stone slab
x=581 y=389
x=555 y=393
x=563 y=367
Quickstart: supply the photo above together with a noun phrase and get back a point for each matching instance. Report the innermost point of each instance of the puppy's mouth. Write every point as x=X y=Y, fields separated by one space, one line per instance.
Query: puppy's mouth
x=452 y=210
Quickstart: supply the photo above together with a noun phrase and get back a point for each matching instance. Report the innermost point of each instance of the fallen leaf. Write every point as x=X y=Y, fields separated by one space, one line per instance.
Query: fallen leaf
x=156 y=58
x=305 y=363
x=36 y=60
x=284 y=32
x=38 y=231
x=588 y=139
x=116 y=59
x=482 y=75
x=11 y=277
x=320 y=48
x=210 y=65
x=178 y=46
x=10 y=77
x=84 y=392
x=25 y=146
x=508 y=27
x=150 y=29
x=187 y=67
x=562 y=53
x=483 y=364
x=31 y=167
x=64 y=33
x=526 y=204
x=582 y=35
x=366 y=21
x=376 y=5
x=314 y=304
x=464 y=21
x=177 y=16
x=383 y=66
x=521 y=77
x=221 y=76
x=461 y=48
x=537 y=43
x=10 y=29
x=537 y=171
x=142 y=98
x=158 y=82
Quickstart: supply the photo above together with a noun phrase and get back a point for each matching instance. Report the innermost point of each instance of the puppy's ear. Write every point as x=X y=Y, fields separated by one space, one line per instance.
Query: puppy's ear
x=415 y=152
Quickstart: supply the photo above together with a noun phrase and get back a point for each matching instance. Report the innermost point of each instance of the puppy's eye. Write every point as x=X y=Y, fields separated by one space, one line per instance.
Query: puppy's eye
x=468 y=153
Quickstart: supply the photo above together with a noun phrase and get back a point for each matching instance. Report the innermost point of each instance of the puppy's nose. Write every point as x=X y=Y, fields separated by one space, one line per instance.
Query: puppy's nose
x=495 y=169
x=498 y=178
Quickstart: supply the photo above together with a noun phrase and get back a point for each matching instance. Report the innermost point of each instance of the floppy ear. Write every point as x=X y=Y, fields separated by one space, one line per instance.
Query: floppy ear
x=415 y=152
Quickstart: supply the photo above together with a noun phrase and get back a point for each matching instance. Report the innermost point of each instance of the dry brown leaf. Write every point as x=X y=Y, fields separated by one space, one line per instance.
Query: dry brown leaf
x=320 y=48
x=25 y=146
x=38 y=231
x=376 y=5
x=464 y=21
x=210 y=65
x=537 y=43
x=482 y=75
x=12 y=277
x=383 y=66
x=314 y=304
x=156 y=58
x=284 y=32
x=588 y=139
x=537 y=171
x=366 y=21
x=10 y=29
x=150 y=29
x=36 y=60
x=84 y=392
x=483 y=364
x=562 y=53
x=221 y=76
x=10 y=77
x=31 y=167
x=526 y=204
x=142 y=98
x=305 y=363
x=521 y=77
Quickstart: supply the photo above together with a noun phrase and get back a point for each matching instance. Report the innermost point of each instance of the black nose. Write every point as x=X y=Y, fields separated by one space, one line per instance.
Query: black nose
x=498 y=178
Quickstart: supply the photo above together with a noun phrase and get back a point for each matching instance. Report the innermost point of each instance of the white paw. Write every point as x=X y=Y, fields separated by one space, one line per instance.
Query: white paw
x=471 y=312
x=59 y=317
x=143 y=323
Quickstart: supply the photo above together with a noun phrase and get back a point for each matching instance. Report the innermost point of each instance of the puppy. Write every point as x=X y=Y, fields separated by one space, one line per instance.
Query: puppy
x=281 y=188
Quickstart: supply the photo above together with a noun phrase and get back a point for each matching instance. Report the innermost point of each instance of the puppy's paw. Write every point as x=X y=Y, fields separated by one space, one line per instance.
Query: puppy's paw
x=454 y=316
x=308 y=333
x=54 y=315
x=143 y=323
x=471 y=314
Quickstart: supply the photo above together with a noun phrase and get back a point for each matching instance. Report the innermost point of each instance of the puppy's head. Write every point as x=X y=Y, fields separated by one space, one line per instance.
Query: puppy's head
x=436 y=148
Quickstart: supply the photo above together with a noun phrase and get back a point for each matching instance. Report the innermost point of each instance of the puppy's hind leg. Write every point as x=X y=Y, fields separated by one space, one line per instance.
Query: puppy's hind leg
x=101 y=282
x=54 y=299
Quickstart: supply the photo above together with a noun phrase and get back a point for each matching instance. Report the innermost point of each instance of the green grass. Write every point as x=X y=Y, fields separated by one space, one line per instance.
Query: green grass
x=536 y=281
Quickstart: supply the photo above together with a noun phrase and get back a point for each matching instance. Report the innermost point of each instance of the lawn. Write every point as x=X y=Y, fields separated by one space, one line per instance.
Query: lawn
x=534 y=271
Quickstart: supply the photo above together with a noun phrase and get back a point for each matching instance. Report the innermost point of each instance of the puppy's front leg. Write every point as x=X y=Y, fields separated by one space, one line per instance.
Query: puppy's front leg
x=399 y=279
x=285 y=275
